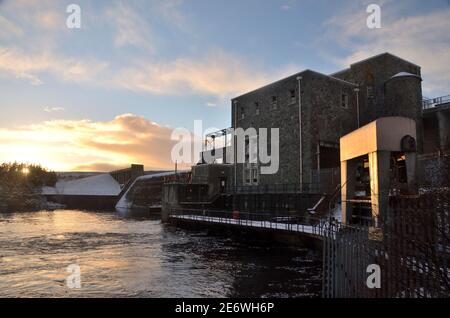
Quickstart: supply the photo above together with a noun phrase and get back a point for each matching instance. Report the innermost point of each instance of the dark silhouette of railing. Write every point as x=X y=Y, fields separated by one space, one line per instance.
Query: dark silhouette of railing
x=411 y=247
x=431 y=103
x=296 y=224
x=276 y=188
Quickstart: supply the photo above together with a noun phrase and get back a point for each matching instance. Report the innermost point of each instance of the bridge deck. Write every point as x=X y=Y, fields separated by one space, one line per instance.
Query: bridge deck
x=314 y=230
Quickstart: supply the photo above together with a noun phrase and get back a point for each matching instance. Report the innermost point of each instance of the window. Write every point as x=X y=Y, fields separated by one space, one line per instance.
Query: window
x=246 y=149
x=242 y=113
x=256 y=108
x=292 y=97
x=255 y=175
x=251 y=174
x=247 y=176
x=370 y=91
x=344 y=100
x=274 y=102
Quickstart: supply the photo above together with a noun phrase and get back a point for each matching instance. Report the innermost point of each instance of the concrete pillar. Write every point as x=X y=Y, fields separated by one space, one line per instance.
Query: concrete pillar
x=379 y=167
x=169 y=200
x=348 y=180
x=411 y=171
x=444 y=130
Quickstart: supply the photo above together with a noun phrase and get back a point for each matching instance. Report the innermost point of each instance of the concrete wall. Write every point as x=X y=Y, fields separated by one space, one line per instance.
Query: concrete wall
x=125 y=175
x=170 y=200
x=436 y=123
x=145 y=193
x=88 y=202
x=212 y=175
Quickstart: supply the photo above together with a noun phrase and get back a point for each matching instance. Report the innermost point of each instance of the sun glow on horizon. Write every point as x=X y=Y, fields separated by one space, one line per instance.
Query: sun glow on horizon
x=85 y=145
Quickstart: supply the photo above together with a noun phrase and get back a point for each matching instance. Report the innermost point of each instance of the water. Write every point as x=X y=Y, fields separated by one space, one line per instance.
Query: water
x=134 y=255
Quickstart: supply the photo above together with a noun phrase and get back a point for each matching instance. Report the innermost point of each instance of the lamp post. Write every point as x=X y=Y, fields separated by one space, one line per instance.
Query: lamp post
x=235 y=153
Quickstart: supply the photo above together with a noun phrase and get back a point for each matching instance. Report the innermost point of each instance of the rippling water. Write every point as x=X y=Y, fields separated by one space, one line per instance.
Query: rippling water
x=134 y=255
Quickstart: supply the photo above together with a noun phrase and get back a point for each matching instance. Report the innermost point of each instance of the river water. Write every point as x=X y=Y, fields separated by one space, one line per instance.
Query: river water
x=133 y=255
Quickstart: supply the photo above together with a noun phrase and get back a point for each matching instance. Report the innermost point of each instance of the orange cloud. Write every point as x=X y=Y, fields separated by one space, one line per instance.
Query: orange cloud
x=85 y=145
x=217 y=73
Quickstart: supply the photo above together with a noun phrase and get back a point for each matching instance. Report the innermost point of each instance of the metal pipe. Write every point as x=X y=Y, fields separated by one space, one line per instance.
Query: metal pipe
x=357 y=105
x=235 y=153
x=299 y=78
x=318 y=165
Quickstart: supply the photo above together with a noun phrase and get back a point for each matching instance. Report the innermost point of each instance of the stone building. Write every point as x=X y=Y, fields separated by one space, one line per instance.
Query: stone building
x=331 y=106
x=403 y=141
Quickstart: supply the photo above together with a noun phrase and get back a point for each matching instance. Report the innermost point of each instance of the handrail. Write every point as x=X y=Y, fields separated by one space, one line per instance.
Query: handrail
x=277 y=188
x=306 y=224
x=431 y=103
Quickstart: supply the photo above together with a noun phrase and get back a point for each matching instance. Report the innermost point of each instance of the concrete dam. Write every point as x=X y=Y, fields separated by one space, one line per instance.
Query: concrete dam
x=130 y=188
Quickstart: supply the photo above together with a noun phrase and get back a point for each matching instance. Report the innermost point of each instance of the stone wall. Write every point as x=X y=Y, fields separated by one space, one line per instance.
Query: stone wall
x=323 y=119
x=376 y=71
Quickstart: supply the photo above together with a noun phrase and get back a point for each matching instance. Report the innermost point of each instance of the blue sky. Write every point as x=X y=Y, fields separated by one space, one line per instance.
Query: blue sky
x=171 y=62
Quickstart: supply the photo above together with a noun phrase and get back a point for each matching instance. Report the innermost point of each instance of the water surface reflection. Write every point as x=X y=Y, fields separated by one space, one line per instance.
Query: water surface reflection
x=131 y=254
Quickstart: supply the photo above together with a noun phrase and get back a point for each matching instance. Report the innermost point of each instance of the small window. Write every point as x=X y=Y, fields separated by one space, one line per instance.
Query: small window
x=274 y=102
x=255 y=175
x=247 y=176
x=256 y=108
x=370 y=91
x=344 y=100
x=292 y=97
x=242 y=113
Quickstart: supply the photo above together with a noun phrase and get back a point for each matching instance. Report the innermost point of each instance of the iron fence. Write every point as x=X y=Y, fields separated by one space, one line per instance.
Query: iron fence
x=411 y=247
x=276 y=188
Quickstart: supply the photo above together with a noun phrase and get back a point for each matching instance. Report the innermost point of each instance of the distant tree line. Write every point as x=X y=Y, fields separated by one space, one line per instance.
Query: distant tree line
x=20 y=186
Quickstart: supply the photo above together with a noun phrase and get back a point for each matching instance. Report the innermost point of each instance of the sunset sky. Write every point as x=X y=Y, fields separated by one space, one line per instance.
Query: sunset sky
x=110 y=93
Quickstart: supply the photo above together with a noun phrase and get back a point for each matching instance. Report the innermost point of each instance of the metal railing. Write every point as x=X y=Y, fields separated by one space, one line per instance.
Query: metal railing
x=276 y=188
x=407 y=246
x=300 y=224
x=431 y=103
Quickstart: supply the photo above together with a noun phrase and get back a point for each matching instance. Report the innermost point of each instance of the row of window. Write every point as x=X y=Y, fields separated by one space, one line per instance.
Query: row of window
x=274 y=103
x=344 y=104
x=293 y=99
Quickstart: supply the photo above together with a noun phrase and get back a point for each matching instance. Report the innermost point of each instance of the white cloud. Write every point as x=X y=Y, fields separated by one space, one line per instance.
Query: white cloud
x=8 y=29
x=30 y=66
x=53 y=109
x=422 y=39
x=217 y=73
x=170 y=10
x=131 y=28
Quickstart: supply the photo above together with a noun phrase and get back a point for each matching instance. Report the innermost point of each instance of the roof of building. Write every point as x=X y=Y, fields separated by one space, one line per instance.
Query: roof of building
x=331 y=76
x=372 y=58
x=296 y=75
x=405 y=74
x=380 y=55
